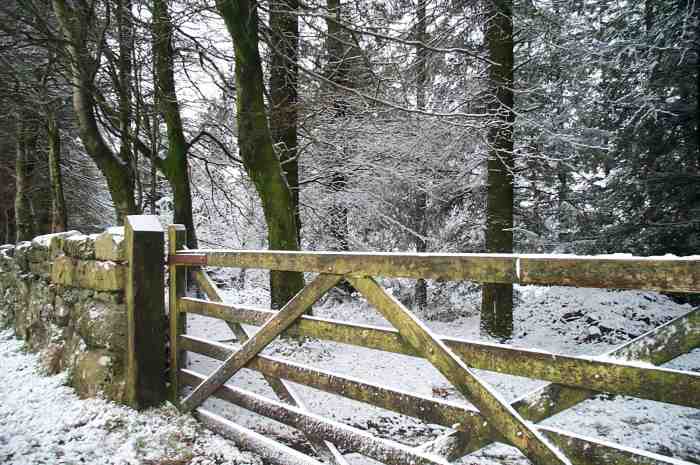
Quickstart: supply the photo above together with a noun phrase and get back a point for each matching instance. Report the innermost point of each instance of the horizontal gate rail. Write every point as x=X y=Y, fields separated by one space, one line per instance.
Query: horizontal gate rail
x=316 y=426
x=579 y=448
x=573 y=378
x=437 y=411
x=269 y=331
x=281 y=388
x=269 y=450
x=676 y=274
x=612 y=376
x=665 y=343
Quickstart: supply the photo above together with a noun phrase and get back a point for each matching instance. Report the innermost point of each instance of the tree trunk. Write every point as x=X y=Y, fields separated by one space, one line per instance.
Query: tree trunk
x=497 y=299
x=421 y=287
x=59 y=217
x=24 y=166
x=284 y=73
x=175 y=165
x=74 y=25
x=255 y=142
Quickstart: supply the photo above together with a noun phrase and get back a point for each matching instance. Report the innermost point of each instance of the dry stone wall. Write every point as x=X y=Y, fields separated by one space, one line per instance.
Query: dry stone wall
x=64 y=294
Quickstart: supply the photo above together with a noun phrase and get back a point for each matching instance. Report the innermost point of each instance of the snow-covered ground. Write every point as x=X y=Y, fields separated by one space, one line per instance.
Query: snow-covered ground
x=42 y=421
x=557 y=319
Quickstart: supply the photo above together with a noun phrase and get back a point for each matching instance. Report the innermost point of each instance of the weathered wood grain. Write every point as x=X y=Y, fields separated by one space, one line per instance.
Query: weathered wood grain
x=146 y=337
x=269 y=450
x=177 y=238
x=580 y=449
x=383 y=450
x=431 y=410
x=500 y=416
x=658 y=346
x=674 y=274
x=660 y=274
x=584 y=450
x=282 y=389
x=269 y=331
x=612 y=376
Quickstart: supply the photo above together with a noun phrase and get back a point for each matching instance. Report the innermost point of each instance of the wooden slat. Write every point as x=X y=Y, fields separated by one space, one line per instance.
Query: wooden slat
x=497 y=412
x=662 y=274
x=613 y=376
x=177 y=238
x=431 y=410
x=383 y=450
x=580 y=449
x=266 y=334
x=282 y=389
x=657 y=346
x=269 y=450
x=584 y=450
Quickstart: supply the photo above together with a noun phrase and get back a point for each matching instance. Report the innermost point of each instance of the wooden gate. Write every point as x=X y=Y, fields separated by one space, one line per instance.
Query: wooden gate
x=572 y=379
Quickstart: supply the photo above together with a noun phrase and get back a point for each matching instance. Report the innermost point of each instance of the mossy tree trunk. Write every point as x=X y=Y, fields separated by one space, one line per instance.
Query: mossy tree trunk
x=175 y=165
x=59 y=216
x=24 y=166
x=497 y=299
x=255 y=143
x=284 y=76
x=75 y=24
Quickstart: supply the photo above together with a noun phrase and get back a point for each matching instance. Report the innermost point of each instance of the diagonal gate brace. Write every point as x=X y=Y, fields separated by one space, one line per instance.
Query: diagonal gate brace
x=496 y=410
x=266 y=334
x=282 y=389
x=657 y=346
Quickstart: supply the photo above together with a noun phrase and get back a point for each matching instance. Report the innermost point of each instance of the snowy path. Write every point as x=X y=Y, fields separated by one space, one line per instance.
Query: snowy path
x=42 y=421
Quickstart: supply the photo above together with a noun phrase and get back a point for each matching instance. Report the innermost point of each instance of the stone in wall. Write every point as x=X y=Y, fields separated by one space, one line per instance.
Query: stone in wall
x=110 y=245
x=64 y=295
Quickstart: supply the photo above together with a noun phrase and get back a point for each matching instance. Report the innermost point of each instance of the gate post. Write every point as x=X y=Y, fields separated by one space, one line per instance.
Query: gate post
x=177 y=239
x=145 y=300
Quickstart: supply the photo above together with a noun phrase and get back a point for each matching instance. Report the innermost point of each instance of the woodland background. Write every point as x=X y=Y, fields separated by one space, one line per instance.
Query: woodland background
x=558 y=126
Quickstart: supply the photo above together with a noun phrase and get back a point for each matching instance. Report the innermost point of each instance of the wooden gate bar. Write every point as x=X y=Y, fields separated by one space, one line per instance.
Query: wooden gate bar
x=657 y=346
x=613 y=376
x=383 y=450
x=436 y=411
x=496 y=411
x=583 y=450
x=678 y=274
x=269 y=450
x=282 y=389
x=177 y=238
x=578 y=448
x=266 y=334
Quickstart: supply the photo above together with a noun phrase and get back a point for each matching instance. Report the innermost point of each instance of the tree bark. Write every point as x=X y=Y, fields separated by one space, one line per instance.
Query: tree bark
x=24 y=166
x=175 y=165
x=255 y=142
x=74 y=25
x=59 y=217
x=497 y=299
x=284 y=73
x=421 y=287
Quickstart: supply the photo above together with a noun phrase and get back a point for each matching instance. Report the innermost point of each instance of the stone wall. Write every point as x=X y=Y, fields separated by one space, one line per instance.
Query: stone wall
x=64 y=295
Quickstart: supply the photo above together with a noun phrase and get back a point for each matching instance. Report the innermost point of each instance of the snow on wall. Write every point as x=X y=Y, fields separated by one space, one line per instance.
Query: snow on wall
x=64 y=295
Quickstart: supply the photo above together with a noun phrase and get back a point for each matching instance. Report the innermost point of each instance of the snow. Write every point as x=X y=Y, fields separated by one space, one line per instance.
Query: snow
x=42 y=421
x=558 y=320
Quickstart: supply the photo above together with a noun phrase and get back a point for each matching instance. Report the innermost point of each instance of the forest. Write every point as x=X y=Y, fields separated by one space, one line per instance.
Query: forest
x=500 y=126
